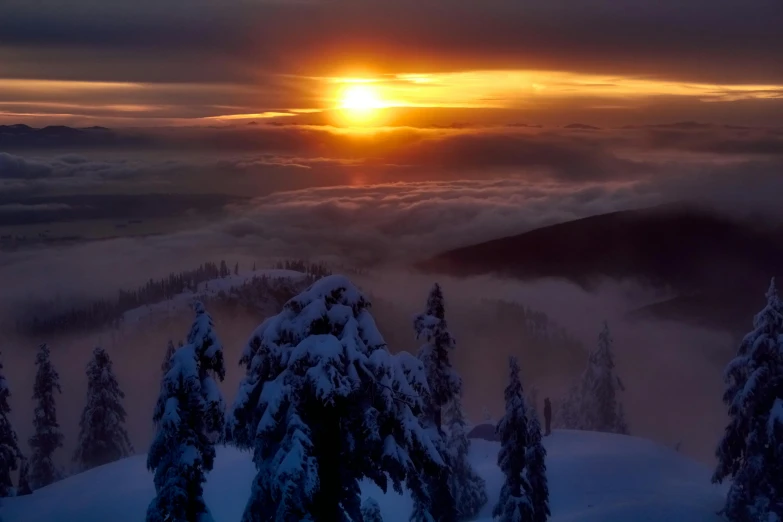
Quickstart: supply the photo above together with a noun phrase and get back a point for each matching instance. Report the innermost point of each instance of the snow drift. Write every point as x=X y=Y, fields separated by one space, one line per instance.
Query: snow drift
x=593 y=477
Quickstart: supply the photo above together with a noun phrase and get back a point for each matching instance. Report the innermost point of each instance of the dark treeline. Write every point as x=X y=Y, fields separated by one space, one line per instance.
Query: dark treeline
x=316 y=270
x=45 y=318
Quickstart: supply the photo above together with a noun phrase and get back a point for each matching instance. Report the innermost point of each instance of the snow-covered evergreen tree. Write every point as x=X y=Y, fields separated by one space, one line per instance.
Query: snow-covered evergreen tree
x=23 y=486
x=324 y=405
x=467 y=488
x=102 y=436
x=165 y=366
x=751 y=451
x=9 y=446
x=514 y=504
x=603 y=386
x=189 y=415
x=371 y=511
x=535 y=471
x=593 y=404
x=46 y=438
x=445 y=386
x=444 y=383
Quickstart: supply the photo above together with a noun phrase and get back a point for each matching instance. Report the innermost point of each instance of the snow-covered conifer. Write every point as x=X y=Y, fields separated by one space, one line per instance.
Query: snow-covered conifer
x=514 y=504
x=165 y=366
x=102 y=435
x=46 y=437
x=535 y=471
x=444 y=387
x=593 y=404
x=371 y=511
x=189 y=415
x=603 y=386
x=23 y=486
x=326 y=405
x=9 y=447
x=751 y=451
x=467 y=488
x=431 y=326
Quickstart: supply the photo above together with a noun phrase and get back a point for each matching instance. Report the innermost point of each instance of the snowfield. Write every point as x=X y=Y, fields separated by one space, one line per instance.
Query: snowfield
x=593 y=477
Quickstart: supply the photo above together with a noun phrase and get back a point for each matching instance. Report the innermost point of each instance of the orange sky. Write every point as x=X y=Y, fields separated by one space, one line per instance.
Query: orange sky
x=148 y=62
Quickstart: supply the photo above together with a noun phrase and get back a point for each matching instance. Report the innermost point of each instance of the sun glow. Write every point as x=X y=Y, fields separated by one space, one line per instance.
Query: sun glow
x=360 y=102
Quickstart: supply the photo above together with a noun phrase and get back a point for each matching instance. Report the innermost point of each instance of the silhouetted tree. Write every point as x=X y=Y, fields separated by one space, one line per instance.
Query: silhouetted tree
x=9 y=447
x=751 y=451
x=102 y=436
x=47 y=437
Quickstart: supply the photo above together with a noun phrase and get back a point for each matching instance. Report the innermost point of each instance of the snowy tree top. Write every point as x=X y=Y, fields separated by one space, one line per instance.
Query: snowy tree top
x=202 y=336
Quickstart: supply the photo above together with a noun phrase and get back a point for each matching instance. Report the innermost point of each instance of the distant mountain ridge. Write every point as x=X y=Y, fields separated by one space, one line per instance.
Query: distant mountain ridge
x=705 y=257
x=21 y=136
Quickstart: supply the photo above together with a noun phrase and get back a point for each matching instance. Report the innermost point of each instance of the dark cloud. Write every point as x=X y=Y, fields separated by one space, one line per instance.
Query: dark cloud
x=721 y=41
x=13 y=167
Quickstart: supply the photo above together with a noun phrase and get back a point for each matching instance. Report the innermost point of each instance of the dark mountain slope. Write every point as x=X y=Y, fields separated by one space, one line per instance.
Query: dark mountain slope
x=699 y=254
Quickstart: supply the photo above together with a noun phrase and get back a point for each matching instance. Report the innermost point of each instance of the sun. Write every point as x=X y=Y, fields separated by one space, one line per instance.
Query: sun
x=359 y=102
x=360 y=97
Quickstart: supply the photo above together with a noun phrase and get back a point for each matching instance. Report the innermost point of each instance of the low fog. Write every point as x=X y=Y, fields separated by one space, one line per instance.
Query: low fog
x=672 y=371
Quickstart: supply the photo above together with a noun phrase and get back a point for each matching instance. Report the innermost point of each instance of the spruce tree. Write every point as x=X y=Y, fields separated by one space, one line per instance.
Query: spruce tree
x=371 y=511
x=325 y=405
x=515 y=504
x=603 y=386
x=165 y=366
x=9 y=447
x=102 y=434
x=593 y=404
x=751 y=451
x=23 y=486
x=431 y=326
x=46 y=438
x=535 y=471
x=444 y=387
x=189 y=416
x=467 y=488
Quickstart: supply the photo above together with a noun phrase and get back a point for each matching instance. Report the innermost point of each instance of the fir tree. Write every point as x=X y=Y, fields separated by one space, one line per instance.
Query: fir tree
x=23 y=486
x=751 y=451
x=514 y=504
x=47 y=437
x=535 y=471
x=166 y=364
x=593 y=404
x=102 y=435
x=9 y=447
x=444 y=387
x=325 y=405
x=603 y=386
x=444 y=383
x=189 y=417
x=371 y=511
x=467 y=488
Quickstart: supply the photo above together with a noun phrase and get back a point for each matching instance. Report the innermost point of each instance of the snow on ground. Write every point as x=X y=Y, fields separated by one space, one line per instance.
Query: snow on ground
x=212 y=287
x=593 y=477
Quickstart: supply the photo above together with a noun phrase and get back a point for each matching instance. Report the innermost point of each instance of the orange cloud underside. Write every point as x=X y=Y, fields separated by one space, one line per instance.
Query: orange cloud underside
x=362 y=99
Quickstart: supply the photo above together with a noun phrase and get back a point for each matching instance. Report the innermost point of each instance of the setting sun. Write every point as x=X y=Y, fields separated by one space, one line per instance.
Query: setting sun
x=360 y=102
x=360 y=98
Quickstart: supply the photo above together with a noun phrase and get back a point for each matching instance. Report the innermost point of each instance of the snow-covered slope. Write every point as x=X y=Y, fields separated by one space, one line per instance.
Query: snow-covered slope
x=212 y=287
x=593 y=477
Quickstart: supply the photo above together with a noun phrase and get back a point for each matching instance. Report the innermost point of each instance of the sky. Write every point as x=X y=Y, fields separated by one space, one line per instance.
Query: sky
x=206 y=62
